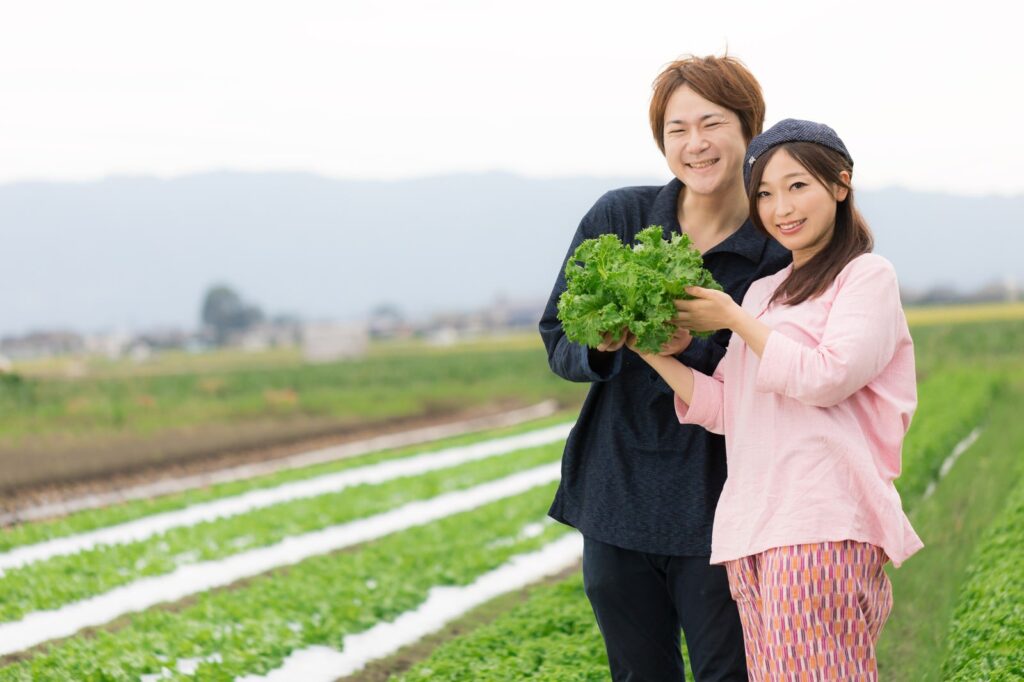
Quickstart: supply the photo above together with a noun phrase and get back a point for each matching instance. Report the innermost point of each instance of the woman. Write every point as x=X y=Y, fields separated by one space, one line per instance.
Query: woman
x=814 y=396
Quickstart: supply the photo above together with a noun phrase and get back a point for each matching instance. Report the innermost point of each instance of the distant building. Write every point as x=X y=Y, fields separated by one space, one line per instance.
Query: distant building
x=523 y=315
x=328 y=341
x=5 y=365
x=165 y=339
x=139 y=351
x=387 y=322
x=42 y=345
x=138 y=347
x=111 y=345
x=264 y=335
x=443 y=336
x=996 y=291
x=498 y=317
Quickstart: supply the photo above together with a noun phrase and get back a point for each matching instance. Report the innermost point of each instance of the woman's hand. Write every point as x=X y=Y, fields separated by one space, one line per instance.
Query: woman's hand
x=709 y=310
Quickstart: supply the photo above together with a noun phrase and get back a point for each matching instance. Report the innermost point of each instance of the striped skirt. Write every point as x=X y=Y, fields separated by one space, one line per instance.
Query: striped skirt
x=812 y=612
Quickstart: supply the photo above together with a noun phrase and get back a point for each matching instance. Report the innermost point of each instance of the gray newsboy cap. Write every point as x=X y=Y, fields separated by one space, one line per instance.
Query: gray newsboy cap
x=792 y=130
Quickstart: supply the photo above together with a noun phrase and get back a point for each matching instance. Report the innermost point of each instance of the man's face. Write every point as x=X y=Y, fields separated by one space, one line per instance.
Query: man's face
x=704 y=143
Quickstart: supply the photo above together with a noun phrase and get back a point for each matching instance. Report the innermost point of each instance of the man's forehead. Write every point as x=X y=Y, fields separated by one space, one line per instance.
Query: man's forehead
x=680 y=117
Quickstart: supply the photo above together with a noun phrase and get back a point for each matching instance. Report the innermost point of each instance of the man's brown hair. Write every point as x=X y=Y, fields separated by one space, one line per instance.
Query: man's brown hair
x=725 y=80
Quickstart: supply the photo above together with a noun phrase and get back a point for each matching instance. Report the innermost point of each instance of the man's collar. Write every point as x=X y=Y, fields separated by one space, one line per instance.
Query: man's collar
x=747 y=241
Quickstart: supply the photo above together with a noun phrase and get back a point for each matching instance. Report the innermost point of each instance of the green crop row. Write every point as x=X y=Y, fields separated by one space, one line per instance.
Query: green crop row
x=251 y=629
x=951 y=403
x=358 y=391
x=940 y=422
x=554 y=636
x=951 y=523
x=64 y=579
x=84 y=521
x=978 y=344
x=550 y=636
x=986 y=640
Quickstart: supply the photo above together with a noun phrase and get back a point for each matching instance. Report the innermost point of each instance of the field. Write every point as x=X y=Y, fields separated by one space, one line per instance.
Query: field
x=437 y=562
x=71 y=420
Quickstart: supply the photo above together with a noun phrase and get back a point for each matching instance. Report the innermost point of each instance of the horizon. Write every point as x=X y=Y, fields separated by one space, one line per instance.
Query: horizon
x=128 y=177
x=116 y=290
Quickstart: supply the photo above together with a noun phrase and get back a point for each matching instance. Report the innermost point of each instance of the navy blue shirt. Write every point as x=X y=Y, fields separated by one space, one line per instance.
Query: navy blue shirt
x=632 y=475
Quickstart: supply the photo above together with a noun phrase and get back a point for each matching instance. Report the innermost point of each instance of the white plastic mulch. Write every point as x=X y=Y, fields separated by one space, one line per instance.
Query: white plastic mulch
x=42 y=626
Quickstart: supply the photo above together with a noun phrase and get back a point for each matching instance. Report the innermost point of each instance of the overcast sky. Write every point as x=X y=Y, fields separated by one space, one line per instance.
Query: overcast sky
x=925 y=97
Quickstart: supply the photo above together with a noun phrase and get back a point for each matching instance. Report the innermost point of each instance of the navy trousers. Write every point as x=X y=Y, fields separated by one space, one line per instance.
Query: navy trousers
x=642 y=601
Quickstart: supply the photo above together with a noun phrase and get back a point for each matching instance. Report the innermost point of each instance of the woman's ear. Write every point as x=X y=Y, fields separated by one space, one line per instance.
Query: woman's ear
x=841 y=192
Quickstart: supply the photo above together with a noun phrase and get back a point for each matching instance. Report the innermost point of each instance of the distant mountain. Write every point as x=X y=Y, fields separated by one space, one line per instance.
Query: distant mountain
x=139 y=252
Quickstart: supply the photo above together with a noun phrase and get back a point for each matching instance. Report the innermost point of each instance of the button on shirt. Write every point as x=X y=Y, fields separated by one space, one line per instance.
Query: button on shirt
x=814 y=428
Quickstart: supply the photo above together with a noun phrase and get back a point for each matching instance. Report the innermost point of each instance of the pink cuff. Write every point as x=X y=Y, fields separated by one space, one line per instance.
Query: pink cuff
x=706 y=405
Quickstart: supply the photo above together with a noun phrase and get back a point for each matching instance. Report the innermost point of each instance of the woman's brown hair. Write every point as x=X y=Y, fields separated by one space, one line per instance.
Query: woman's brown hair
x=726 y=81
x=850 y=238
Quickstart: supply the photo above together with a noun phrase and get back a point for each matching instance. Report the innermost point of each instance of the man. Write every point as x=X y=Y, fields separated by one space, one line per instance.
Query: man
x=640 y=487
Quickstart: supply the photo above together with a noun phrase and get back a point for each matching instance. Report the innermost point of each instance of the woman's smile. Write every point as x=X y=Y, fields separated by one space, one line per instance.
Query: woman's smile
x=791 y=227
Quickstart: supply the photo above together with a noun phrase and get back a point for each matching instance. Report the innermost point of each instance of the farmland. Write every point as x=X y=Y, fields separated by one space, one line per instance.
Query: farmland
x=336 y=562
x=104 y=419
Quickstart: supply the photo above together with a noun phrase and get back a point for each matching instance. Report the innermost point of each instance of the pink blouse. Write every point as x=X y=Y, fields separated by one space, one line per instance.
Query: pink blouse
x=814 y=428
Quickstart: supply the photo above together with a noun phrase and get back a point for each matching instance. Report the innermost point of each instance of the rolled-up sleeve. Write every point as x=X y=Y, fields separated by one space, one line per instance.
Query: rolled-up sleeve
x=708 y=406
x=861 y=335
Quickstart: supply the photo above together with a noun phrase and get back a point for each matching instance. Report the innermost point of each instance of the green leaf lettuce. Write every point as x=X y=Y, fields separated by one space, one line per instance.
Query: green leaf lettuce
x=611 y=287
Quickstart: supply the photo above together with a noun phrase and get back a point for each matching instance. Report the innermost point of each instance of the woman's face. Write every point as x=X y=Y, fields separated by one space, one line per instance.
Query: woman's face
x=796 y=208
x=704 y=143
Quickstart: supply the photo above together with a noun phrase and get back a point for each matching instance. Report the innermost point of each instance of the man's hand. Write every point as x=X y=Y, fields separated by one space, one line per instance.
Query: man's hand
x=679 y=342
x=612 y=342
x=631 y=344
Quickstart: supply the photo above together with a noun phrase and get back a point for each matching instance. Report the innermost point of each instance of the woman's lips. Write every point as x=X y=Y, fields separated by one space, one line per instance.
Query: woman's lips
x=791 y=227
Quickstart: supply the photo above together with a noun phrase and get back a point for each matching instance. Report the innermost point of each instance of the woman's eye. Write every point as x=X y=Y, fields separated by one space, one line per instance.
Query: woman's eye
x=714 y=125
x=798 y=185
x=763 y=195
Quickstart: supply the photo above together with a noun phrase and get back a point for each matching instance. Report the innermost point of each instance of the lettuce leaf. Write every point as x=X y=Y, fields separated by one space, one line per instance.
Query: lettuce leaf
x=611 y=287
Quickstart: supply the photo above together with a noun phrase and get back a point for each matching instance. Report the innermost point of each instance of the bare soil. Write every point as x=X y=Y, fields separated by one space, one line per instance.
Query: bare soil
x=32 y=477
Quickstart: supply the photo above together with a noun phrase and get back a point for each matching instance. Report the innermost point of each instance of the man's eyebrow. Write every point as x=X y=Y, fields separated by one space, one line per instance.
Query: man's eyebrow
x=705 y=117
